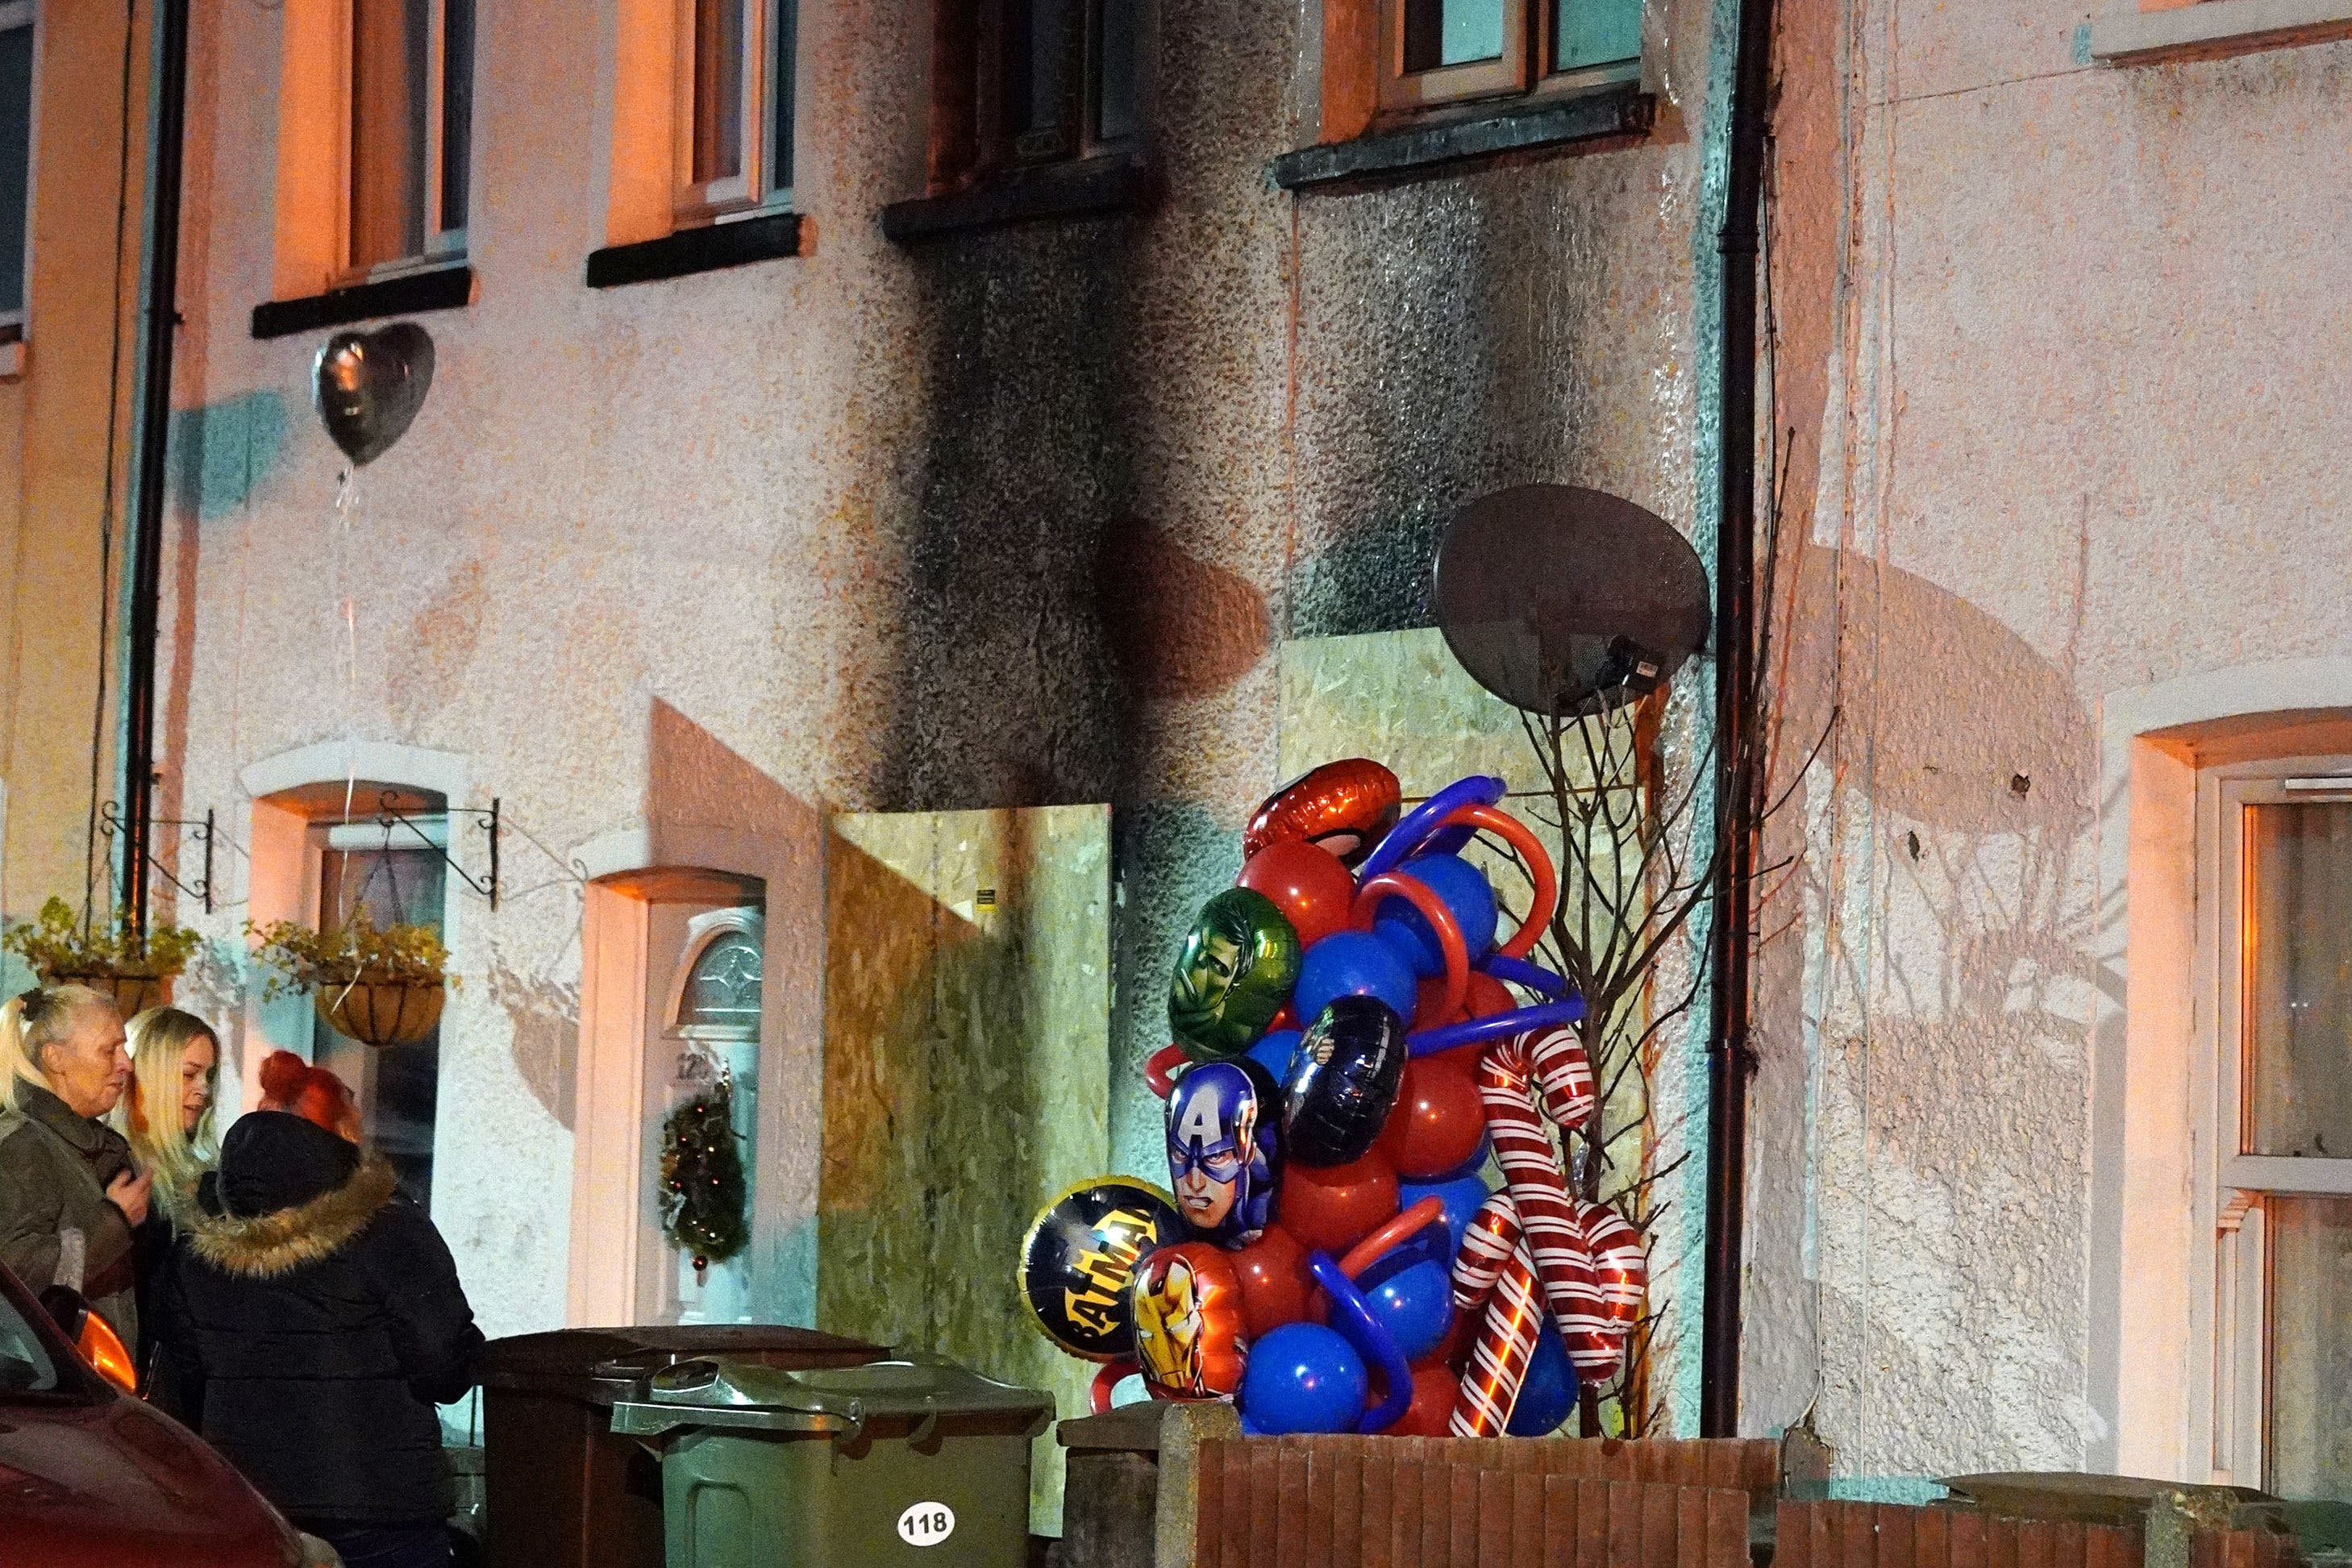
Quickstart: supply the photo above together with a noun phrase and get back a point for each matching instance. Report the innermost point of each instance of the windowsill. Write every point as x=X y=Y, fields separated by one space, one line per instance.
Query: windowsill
x=408 y=294
x=12 y=359
x=2215 y=28
x=1618 y=111
x=1110 y=182
x=706 y=248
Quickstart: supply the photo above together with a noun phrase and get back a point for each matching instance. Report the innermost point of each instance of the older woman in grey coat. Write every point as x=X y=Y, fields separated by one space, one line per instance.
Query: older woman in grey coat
x=69 y=1198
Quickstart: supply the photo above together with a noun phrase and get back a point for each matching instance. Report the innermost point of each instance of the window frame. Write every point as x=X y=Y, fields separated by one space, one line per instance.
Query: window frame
x=753 y=192
x=2231 y=1412
x=15 y=325
x=442 y=246
x=1527 y=68
x=972 y=41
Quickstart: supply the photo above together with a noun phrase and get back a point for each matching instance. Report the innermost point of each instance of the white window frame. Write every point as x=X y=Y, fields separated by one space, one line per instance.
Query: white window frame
x=25 y=14
x=2230 y=1421
x=442 y=245
x=751 y=193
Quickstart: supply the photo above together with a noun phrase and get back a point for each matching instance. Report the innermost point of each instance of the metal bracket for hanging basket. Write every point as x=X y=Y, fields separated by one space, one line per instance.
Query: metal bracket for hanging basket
x=390 y=817
x=111 y=820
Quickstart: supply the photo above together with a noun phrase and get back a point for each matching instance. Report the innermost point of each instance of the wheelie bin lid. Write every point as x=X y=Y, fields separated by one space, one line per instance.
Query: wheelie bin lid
x=599 y=1365
x=840 y=1401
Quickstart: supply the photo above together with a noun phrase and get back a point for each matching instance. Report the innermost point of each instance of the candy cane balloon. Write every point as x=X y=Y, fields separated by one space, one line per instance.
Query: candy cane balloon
x=1538 y=1187
x=1618 y=1264
x=1495 y=1270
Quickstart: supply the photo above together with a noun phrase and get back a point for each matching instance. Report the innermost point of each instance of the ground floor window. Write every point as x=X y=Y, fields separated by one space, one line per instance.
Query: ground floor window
x=396 y=877
x=2278 y=849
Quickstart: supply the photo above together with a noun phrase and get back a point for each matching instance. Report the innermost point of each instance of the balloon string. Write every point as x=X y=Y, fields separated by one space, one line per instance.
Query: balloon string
x=346 y=503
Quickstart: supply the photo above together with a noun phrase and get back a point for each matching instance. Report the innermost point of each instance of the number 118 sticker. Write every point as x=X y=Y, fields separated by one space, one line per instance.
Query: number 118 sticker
x=926 y=1524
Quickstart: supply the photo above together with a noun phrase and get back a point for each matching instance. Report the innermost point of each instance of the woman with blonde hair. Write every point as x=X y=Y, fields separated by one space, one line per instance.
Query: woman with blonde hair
x=69 y=1200
x=166 y=1113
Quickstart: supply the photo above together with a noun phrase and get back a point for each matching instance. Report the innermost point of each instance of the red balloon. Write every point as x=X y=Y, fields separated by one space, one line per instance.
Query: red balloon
x=1191 y=1323
x=1277 y=1289
x=1429 y=1002
x=1434 y=1389
x=1308 y=883
x=1437 y=1122
x=1332 y=1208
x=1487 y=996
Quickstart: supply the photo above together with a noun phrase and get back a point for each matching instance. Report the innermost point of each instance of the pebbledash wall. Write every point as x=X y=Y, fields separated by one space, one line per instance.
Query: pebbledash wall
x=1022 y=517
x=1006 y=518
x=2061 y=373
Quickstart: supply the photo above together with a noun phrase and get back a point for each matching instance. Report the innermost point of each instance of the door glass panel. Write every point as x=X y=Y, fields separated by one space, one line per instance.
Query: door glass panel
x=724 y=987
x=1452 y=33
x=2310 y=1446
x=2297 y=1024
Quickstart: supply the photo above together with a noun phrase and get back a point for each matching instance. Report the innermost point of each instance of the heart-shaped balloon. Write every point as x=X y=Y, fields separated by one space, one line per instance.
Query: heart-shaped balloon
x=369 y=386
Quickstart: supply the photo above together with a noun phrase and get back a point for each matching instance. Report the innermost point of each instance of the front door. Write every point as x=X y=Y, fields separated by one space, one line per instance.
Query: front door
x=702 y=1035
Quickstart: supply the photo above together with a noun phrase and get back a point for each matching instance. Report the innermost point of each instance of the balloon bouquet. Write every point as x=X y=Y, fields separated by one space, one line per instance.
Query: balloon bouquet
x=1350 y=1052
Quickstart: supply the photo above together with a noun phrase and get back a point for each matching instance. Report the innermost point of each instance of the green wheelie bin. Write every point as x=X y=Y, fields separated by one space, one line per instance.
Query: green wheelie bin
x=911 y=1460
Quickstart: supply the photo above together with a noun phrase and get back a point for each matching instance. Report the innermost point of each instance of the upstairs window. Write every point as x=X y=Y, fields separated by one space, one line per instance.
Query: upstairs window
x=1435 y=52
x=411 y=124
x=1022 y=83
x=734 y=101
x=15 y=161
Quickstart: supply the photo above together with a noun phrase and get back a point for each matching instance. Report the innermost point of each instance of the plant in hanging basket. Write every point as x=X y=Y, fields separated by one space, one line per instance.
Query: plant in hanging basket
x=133 y=969
x=381 y=986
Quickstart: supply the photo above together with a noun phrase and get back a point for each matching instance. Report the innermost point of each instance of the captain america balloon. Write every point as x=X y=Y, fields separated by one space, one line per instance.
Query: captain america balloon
x=1223 y=1155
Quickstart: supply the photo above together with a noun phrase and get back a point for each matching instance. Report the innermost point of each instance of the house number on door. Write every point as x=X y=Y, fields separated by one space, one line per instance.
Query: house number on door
x=926 y=1524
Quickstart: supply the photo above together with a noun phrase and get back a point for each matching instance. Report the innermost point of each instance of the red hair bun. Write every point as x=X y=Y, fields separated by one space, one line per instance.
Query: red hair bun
x=313 y=1093
x=282 y=1075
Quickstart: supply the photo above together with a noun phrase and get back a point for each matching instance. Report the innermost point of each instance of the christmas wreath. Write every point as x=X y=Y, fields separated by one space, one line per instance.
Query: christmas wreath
x=702 y=1178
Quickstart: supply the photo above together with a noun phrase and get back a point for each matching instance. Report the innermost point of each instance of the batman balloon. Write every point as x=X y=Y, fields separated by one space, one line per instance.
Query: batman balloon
x=1080 y=1256
x=1344 y=1078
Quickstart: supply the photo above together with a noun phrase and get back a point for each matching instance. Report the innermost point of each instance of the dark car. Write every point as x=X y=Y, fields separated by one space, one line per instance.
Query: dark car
x=91 y=1476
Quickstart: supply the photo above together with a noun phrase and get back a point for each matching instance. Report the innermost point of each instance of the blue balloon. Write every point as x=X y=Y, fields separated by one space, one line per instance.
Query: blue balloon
x=1410 y=1291
x=1549 y=1392
x=1467 y=895
x=1461 y=1196
x=1422 y=822
x=1273 y=1052
x=1303 y=1377
x=1421 y=957
x=1352 y=964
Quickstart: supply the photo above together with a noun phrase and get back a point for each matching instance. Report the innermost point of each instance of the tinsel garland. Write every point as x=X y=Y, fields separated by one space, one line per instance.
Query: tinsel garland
x=702 y=1178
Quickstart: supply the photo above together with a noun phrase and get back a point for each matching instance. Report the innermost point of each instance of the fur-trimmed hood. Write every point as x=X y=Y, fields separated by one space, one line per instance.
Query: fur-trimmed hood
x=285 y=1197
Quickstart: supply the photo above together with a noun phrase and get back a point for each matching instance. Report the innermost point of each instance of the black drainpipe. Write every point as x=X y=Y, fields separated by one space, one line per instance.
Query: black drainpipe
x=161 y=315
x=1729 y=1059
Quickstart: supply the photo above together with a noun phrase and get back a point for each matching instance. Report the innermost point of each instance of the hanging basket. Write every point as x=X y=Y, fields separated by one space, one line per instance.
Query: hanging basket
x=382 y=1012
x=133 y=993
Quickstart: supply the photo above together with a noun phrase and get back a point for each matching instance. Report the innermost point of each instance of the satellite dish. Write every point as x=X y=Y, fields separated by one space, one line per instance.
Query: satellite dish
x=1566 y=601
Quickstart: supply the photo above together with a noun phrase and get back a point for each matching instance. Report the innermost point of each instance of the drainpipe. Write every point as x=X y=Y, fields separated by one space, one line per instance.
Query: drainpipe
x=1730 y=1060
x=159 y=321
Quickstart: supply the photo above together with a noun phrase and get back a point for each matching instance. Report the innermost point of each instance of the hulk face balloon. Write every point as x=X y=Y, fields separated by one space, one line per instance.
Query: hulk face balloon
x=1235 y=974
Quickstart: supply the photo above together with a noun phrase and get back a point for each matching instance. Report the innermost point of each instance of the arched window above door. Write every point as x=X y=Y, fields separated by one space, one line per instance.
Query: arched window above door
x=717 y=988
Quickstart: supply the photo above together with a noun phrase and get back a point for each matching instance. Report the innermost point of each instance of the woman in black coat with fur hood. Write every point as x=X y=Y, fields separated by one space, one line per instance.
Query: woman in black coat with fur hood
x=317 y=1317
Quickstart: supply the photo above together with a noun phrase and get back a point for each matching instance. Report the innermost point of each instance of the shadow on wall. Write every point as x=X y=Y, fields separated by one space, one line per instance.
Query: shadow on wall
x=1953 y=1000
x=223 y=452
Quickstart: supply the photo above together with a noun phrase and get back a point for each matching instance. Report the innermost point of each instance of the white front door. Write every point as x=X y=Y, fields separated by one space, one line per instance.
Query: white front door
x=701 y=1029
